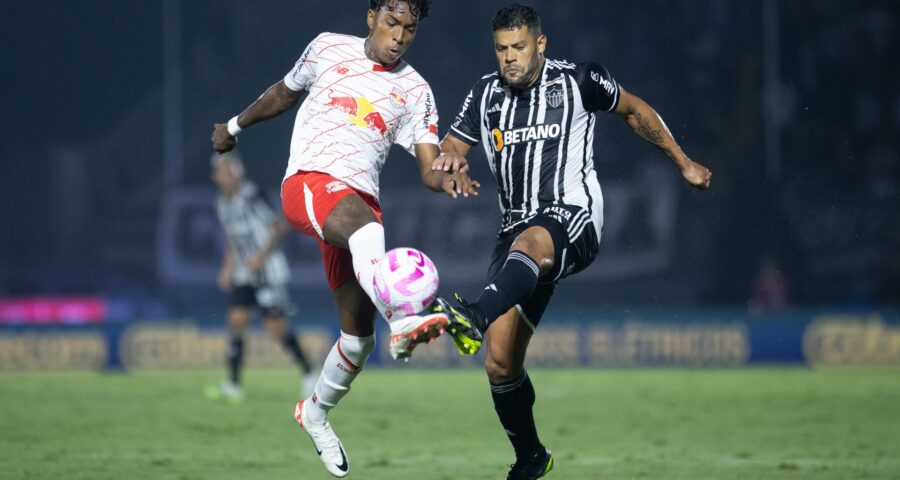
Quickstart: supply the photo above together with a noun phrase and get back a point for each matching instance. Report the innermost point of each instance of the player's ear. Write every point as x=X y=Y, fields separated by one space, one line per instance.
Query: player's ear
x=370 y=19
x=541 y=43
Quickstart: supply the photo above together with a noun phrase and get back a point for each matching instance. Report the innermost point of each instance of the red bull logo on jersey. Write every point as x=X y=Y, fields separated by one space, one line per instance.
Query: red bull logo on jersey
x=361 y=112
x=524 y=134
x=398 y=99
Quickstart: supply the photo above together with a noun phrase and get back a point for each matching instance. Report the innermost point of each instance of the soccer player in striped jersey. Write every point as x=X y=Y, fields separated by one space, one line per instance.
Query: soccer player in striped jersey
x=535 y=120
x=360 y=98
x=254 y=271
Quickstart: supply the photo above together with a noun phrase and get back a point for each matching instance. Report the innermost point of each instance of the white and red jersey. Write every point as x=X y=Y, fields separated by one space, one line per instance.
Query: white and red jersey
x=355 y=111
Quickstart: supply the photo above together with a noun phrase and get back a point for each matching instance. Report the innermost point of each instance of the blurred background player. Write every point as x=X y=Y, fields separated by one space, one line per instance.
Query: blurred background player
x=254 y=271
x=360 y=98
x=536 y=118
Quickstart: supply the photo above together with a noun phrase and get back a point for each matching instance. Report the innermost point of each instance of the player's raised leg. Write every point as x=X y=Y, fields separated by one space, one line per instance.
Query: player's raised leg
x=343 y=363
x=345 y=220
x=530 y=256
x=513 y=394
x=353 y=225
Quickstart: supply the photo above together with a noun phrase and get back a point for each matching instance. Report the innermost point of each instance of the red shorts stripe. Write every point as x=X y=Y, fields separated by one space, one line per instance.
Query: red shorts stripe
x=307 y=198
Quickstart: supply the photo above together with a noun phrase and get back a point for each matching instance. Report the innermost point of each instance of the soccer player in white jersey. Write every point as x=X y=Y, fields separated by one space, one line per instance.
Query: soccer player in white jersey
x=361 y=98
x=535 y=118
x=254 y=272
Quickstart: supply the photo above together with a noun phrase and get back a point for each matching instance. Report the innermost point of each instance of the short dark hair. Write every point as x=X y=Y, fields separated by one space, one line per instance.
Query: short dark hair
x=418 y=8
x=514 y=16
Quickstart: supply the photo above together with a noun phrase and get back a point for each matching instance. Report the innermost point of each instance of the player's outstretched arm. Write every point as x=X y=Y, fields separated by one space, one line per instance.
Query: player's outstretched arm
x=276 y=100
x=454 y=183
x=644 y=120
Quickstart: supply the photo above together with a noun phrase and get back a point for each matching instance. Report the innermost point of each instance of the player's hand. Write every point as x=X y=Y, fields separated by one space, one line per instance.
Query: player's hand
x=448 y=162
x=222 y=141
x=697 y=175
x=459 y=183
x=256 y=264
x=224 y=280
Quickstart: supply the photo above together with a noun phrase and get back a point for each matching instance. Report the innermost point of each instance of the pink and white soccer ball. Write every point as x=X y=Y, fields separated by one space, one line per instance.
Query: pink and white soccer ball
x=405 y=282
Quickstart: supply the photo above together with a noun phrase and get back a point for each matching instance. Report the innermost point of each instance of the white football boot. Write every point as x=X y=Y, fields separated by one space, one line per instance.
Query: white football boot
x=328 y=445
x=409 y=331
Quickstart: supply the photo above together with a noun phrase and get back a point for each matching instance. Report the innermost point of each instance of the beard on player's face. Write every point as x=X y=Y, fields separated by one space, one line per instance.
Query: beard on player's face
x=392 y=29
x=519 y=55
x=524 y=77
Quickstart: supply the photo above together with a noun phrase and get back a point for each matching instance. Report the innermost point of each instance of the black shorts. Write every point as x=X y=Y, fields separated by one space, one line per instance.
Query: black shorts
x=272 y=301
x=575 y=246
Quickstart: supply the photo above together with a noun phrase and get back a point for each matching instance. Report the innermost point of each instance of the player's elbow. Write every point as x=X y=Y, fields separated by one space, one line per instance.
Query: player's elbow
x=284 y=97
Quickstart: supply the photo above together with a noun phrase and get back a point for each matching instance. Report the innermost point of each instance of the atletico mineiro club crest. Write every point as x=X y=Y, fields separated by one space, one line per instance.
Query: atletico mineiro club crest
x=554 y=97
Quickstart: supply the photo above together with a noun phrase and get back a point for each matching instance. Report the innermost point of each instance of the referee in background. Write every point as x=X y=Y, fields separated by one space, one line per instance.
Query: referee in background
x=254 y=271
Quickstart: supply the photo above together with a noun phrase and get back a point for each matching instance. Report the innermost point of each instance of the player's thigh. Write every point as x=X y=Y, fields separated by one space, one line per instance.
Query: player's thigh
x=507 y=342
x=355 y=309
x=326 y=208
x=238 y=318
x=349 y=215
x=574 y=239
x=241 y=302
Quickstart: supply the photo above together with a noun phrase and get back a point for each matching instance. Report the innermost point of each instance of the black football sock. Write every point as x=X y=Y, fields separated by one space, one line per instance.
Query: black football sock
x=293 y=347
x=513 y=402
x=235 y=357
x=514 y=283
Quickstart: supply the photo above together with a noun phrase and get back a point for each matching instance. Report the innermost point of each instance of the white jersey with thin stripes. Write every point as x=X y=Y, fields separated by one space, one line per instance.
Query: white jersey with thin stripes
x=247 y=220
x=356 y=109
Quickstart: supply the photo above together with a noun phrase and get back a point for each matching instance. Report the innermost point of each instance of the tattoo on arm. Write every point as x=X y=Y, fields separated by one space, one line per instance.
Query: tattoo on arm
x=647 y=132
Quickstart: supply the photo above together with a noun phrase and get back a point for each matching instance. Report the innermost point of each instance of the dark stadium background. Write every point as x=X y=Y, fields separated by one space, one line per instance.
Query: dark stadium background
x=751 y=331
x=794 y=106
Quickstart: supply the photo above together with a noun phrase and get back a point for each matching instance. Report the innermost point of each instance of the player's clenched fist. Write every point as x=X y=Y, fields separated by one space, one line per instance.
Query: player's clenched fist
x=222 y=141
x=697 y=175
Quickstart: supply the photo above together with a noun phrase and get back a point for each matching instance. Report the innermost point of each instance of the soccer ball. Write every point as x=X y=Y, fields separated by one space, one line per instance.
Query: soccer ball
x=405 y=282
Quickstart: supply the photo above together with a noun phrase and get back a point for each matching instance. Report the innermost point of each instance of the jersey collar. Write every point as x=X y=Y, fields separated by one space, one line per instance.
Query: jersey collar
x=377 y=67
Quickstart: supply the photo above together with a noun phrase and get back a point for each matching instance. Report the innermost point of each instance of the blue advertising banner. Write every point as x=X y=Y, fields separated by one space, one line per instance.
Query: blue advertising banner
x=685 y=338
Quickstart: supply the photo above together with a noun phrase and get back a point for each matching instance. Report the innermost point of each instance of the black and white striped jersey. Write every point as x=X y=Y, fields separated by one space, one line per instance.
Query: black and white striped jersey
x=247 y=220
x=539 y=141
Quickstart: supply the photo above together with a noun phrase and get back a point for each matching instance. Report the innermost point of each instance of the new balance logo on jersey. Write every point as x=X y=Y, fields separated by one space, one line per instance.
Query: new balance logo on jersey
x=524 y=134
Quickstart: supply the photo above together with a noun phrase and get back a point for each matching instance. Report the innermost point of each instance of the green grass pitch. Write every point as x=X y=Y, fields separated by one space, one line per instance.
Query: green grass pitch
x=415 y=424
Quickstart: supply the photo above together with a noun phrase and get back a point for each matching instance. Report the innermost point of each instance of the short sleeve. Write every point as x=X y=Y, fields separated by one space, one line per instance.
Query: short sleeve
x=302 y=76
x=421 y=125
x=467 y=124
x=599 y=91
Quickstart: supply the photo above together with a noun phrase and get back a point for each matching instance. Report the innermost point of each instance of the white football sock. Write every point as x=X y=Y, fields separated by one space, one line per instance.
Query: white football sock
x=343 y=363
x=367 y=249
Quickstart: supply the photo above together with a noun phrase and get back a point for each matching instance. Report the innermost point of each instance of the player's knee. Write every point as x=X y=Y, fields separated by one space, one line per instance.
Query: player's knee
x=277 y=327
x=537 y=243
x=527 y=245
x=357 y=349
x=501 y=370
x=238 y=317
